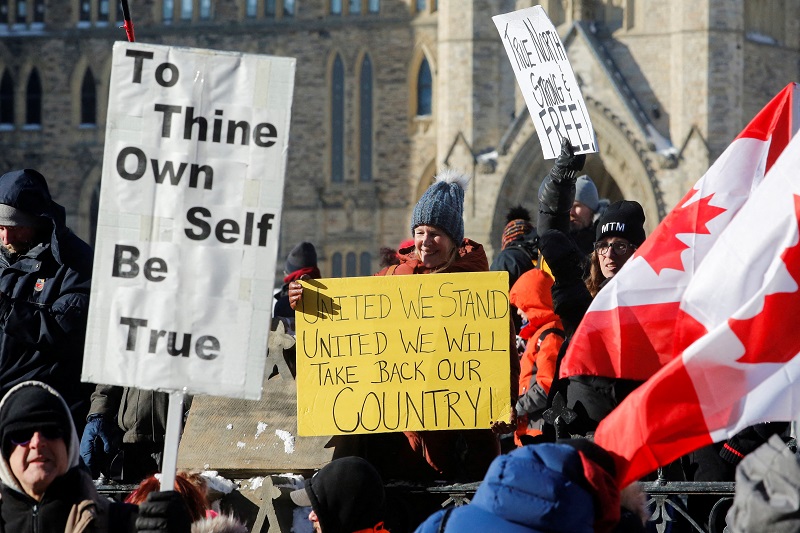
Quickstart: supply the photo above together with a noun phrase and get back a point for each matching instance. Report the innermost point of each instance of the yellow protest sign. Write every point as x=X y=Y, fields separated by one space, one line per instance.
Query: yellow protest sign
x=394 y=353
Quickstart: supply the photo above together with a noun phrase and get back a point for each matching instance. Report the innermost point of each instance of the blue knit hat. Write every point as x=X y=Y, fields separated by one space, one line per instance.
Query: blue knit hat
x=442 y=205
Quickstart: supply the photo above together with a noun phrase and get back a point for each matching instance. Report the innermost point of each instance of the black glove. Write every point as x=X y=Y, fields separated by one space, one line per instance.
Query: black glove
x=164 y=511
x=562 y=255
x=557 y=191
x=567 y=164
x=99 y=443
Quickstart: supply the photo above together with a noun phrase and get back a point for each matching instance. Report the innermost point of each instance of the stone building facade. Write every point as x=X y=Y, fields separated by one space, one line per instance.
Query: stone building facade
x=387 y=91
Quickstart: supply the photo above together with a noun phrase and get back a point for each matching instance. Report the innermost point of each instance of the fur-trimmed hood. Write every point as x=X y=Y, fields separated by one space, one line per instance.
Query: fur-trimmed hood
x=6 y=476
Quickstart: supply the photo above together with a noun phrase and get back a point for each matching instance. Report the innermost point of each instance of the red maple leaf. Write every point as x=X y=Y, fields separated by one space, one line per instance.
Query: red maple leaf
x=767 y=337
x=663 y=248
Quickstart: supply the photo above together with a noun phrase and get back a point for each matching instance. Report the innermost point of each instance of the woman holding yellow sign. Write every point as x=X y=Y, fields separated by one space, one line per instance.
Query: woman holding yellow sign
x=437 y=226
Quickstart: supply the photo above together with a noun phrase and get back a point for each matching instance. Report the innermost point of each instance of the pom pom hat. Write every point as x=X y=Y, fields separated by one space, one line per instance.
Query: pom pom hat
x=442 y=205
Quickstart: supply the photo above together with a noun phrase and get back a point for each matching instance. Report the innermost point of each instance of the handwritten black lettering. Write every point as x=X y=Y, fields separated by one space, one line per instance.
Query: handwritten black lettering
x=419 y=307
x=345 y=345
x=387 y=411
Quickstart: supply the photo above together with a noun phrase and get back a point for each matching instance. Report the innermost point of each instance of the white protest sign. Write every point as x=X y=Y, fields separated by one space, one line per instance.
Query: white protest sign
x=546 y=80
x=190 y=205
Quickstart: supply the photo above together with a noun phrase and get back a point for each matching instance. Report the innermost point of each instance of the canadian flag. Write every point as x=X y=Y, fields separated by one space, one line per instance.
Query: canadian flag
x=745 y=369
x=638 y=322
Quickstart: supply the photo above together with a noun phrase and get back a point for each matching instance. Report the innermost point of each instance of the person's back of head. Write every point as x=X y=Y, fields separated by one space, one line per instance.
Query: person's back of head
x=195 y=500
x=586 y=193
x=347 y=495
x=302 y=259
x=532 y=294
x=518 y=226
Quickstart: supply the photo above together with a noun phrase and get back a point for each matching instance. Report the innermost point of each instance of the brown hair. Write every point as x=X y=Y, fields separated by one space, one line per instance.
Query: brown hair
x=196 y=502
x=596 y=277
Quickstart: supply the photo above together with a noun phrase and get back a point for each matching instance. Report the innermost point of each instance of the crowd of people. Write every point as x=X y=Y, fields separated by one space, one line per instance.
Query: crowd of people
x=550 y=476
x=56 y=433
x=535 y=474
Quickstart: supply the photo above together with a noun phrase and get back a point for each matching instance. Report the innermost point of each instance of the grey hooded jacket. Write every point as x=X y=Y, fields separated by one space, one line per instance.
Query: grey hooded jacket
x=767 y=494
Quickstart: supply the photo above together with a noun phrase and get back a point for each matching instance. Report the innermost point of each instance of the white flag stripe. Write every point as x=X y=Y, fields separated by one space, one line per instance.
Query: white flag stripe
x=730 y=179
x=742 y=268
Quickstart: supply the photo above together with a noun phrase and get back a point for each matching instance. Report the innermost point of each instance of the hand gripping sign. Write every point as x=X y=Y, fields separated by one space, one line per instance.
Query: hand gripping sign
x=546 y=80
x=395 y=353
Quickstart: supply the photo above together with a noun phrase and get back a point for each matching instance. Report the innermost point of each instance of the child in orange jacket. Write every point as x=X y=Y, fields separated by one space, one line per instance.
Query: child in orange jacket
x=544 y=334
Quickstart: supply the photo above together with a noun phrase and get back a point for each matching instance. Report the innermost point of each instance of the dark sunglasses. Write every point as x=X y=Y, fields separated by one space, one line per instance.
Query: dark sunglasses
x=23 y=437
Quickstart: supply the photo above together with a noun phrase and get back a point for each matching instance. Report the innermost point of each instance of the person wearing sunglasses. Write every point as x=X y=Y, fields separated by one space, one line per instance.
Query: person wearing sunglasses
x=43 y=487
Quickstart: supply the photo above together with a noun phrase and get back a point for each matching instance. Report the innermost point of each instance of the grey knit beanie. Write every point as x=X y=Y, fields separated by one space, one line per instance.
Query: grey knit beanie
x=442 y=205
x=303 y=255
x=586 y=193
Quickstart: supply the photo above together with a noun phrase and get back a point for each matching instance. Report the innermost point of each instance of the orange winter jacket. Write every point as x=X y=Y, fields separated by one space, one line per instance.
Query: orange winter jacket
x=544 y=334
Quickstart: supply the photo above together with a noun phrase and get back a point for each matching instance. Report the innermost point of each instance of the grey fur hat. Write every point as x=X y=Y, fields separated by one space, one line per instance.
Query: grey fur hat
x=586 y=193
x=442 y=205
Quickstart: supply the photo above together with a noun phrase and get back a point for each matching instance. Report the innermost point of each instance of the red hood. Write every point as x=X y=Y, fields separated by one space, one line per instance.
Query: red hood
x=531 y=293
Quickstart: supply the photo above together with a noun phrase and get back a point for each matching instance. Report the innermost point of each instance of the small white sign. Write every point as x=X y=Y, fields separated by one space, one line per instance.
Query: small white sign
x=190 y=209
x=546 y=79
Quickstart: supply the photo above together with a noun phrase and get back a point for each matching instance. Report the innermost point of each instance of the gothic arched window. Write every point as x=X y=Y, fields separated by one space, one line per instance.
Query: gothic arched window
x=336 y=265
x=33 y=99
x=366 y=264
x=88 y=99
x=337 y=120
x=6 y=99
x=424 y=89
x=350 y=267
x=365 y=121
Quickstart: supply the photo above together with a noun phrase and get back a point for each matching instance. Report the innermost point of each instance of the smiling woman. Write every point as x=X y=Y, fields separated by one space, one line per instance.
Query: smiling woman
x=437 y=227
x=433 y=246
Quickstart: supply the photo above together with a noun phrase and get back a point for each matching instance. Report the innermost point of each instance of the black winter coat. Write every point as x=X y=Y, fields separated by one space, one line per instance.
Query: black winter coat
x=74 y=493
x=43 y=329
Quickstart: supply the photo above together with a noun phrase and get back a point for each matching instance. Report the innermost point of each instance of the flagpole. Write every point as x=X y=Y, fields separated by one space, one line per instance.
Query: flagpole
x=127 y=22
x=172 y=439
